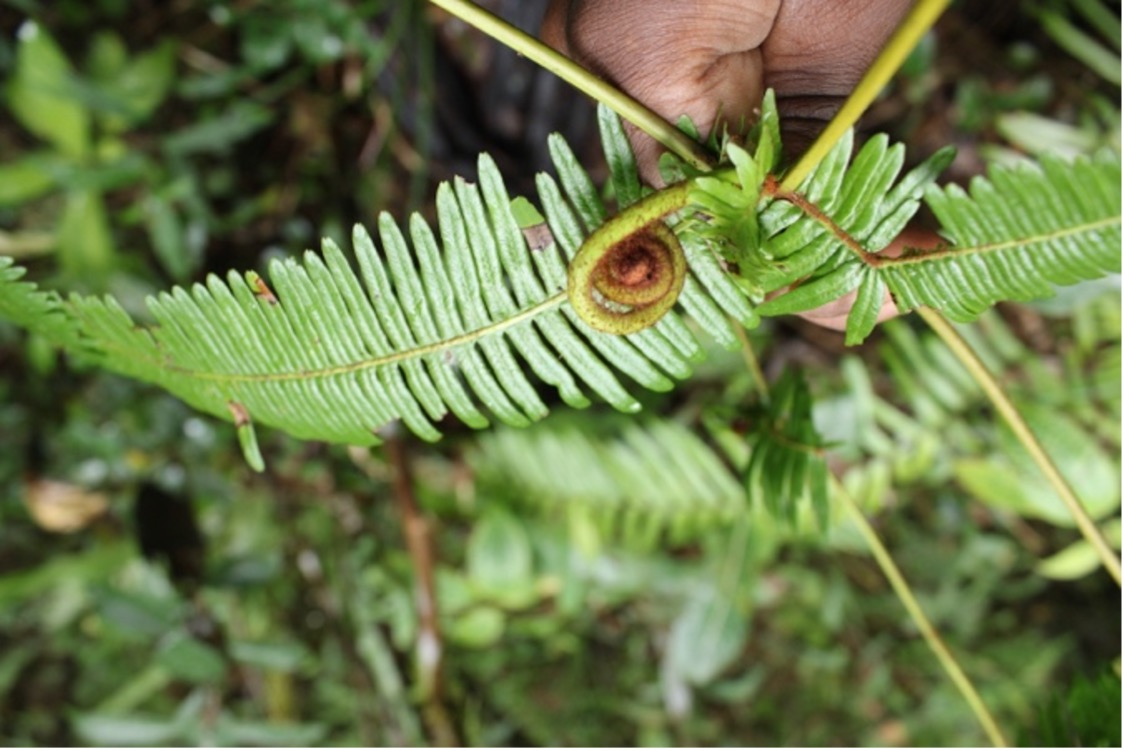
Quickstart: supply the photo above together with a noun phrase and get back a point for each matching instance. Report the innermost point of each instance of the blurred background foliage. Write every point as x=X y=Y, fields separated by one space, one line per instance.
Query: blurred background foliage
x=599 y=579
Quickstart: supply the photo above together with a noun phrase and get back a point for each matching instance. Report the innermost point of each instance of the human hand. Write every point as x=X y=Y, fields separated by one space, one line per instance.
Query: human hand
x=713 y=59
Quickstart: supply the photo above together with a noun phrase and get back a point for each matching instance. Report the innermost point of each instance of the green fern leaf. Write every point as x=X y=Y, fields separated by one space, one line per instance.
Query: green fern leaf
x=635 y=484
x=41 y=312
x=730 y=199
x=1015 y=236
x=465 y=321
x=786 y=462
x=1086 y=714
x=863 y=202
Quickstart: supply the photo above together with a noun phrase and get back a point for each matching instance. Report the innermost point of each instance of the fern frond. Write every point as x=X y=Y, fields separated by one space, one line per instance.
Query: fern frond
x=458 y=321
x=650 y=478
x=935 y=432
x=786 y=461
x=24 y=304
x=1015 y=235
x=730 y=199
x=857 y=210
x=861 y=201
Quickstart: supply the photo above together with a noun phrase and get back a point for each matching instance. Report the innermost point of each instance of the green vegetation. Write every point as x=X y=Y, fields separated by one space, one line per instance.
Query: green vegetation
x=692 y=574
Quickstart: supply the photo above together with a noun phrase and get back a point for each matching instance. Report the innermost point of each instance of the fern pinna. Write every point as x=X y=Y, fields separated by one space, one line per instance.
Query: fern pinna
x=455 y=321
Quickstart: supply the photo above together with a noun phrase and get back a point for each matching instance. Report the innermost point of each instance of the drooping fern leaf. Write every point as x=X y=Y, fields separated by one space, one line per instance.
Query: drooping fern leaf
x=649 y=478
x=448 y=322
x=1086 y=714
x=786 y=463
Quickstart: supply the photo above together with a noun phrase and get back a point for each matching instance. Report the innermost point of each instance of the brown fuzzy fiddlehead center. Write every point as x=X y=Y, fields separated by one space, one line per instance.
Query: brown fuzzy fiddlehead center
x=628 y=285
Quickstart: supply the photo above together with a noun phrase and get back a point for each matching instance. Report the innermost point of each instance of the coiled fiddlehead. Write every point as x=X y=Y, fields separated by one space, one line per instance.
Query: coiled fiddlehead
x=630 y=271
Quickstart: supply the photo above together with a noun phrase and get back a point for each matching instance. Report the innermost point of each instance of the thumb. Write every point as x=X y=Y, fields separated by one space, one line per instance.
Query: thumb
x=700 y=59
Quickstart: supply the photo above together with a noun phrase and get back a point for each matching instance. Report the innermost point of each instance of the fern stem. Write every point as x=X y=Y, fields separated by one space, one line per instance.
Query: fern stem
x=578 y=77
x=429 y=649
x=905 y=595
x=967 y=356
x=371 y=363
x=814 y=212
x=924 y=14
x=924 y=625
x=752 y=364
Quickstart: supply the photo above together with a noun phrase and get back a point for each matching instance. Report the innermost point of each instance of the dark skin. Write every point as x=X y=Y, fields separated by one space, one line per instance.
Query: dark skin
x=713 y=59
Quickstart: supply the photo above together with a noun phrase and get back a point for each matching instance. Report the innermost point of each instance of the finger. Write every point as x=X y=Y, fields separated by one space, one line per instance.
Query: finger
x=553 y=30
x=834 y=314
x=815 y=54
x=699 y=59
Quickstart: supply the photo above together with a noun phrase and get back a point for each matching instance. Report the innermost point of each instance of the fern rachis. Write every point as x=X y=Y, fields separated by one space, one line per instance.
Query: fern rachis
x=453 y=321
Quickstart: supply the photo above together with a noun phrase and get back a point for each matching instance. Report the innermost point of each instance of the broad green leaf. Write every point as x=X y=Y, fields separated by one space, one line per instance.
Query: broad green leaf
x=191 y=660
x=166 y=233
x=499 y=559
x=85 y=244
x=107 y=56
x=453 y=591
x=232 y=731
x=266 y=40
x=282 y=656
x=1015 y=484
x=1079 y=558
x=706 y=637
x=126 y=730
x=218 y=134
x=12 y=662
x=146 y=82
x=40 y=93
x=137 y=615
x=95 y=564
x=479 y=627
x=1036 y=134
x=135 y=87
x=315 y=39
x=28 y=177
